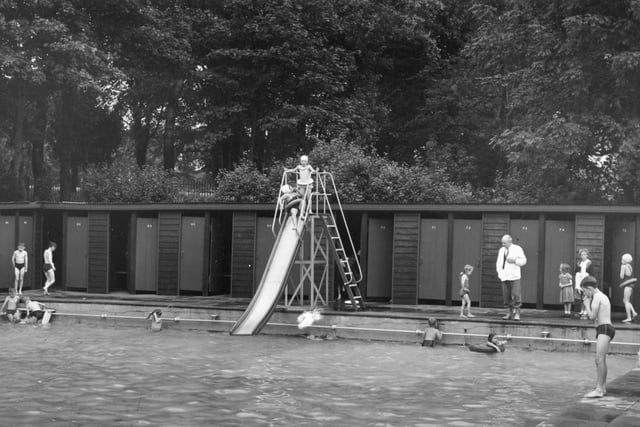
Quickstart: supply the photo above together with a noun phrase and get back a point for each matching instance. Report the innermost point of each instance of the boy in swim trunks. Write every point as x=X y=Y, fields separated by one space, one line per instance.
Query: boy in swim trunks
x=599 y=309
x=11 y=303
x=35 y=310
x=20 y=261
x=48 y=268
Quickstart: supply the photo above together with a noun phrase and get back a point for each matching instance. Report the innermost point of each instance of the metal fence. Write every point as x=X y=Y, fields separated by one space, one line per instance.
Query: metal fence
x=196 y=190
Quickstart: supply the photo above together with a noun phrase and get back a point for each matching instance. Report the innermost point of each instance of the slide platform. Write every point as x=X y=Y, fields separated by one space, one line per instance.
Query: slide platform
x=273 y=281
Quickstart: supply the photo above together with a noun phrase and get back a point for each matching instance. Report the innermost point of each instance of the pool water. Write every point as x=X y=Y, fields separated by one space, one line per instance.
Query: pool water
x=92 y=375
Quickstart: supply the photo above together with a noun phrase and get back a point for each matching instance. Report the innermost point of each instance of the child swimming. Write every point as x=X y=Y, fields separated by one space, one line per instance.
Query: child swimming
x=432 y=333
x=307 y=318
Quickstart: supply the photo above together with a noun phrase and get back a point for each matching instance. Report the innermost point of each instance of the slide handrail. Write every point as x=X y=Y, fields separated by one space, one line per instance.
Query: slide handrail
x=321 y=178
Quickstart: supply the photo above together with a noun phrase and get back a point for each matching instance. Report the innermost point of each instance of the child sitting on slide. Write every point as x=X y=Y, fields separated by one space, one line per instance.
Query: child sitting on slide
x=290 y=201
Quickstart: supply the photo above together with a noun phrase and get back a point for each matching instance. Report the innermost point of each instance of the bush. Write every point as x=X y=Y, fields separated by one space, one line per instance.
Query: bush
x=123 y=181
x=245 y=184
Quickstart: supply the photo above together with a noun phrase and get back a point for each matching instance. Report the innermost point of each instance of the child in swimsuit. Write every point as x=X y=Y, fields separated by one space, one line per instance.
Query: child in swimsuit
x=11 y=303
x=20 y=261
x=626 y=273
x=35 y=310
x=291 y=201
x=464 y=291
x=495 y=343
x=156 y=319
x=303 y=171
x=49 y=269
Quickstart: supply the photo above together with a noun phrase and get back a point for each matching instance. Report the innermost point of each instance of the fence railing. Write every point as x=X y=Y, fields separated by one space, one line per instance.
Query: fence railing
x=189 y=189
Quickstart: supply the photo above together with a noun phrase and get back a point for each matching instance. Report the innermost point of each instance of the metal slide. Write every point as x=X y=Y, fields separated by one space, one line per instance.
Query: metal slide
x=273 y=280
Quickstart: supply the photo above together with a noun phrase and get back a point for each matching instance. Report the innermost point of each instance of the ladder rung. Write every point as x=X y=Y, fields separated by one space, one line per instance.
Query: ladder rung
x=353 y=284
x=357 y=297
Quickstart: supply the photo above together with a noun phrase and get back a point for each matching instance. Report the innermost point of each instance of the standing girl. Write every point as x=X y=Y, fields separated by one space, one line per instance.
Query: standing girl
x=565 y=281
x=49 y=268
x=20 y=261
x=628 y=282
x=583 y=269
x=464 y=291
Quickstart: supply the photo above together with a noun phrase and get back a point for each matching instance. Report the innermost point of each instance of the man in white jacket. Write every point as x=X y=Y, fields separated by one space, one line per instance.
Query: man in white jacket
x=510 y=258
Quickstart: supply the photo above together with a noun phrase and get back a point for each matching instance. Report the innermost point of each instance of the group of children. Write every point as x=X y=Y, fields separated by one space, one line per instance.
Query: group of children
x=571 y=292
x=32 y=311
x=22 y=308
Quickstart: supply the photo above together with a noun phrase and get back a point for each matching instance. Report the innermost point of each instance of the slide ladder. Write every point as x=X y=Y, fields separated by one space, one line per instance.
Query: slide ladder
x=350 y=269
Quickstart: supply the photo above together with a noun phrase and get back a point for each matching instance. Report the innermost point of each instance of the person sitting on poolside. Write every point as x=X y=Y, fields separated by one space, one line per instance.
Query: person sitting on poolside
x=11 y=303
x=432 y=334
x=35 y=310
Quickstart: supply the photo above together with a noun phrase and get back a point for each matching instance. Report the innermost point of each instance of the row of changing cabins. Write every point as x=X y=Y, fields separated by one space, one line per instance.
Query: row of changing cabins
x=410 y=254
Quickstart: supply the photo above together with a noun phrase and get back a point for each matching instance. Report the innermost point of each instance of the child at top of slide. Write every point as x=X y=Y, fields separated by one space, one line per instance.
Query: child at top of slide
x=303 y=171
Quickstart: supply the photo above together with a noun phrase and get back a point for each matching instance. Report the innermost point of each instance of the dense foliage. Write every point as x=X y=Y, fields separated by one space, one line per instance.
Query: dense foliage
x=421 y=101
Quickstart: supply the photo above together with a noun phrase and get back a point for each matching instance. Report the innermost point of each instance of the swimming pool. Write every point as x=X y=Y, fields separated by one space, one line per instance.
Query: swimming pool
x=94 y=375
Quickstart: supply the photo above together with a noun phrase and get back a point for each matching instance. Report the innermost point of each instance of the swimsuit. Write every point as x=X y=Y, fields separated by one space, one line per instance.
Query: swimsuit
x=47 y=267
x=606 y=329
x=38 y=314
x=19 y=265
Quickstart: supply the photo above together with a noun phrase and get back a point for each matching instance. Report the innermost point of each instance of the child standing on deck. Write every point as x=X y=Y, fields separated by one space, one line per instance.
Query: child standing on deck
x=583 y=269
x=464 y=291
x=565 y=282
x=49 y=268
x=628 y=282
x=20 y=261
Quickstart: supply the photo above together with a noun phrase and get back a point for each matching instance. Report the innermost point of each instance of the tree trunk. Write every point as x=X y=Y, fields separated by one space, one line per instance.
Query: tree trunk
x=17 y=167
x=65 y=142
x=41 y=189
x=141 y=136
x=168 y=138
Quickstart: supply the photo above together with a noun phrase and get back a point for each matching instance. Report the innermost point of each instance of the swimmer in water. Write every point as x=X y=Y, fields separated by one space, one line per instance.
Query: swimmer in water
x=432 y=333
x=307 y=318
x=156 y=321
x=495 y=343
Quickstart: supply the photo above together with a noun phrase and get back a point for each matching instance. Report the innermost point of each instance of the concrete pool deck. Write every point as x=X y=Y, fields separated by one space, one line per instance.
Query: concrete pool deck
x=621 y=406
